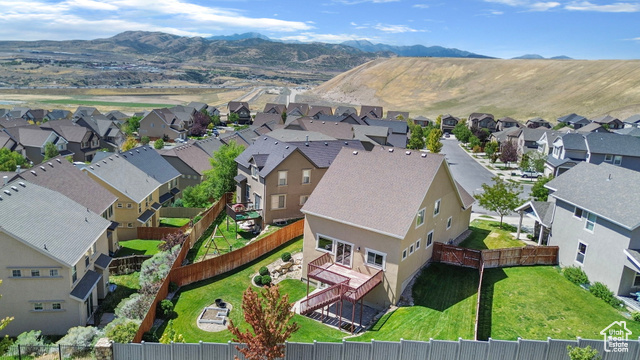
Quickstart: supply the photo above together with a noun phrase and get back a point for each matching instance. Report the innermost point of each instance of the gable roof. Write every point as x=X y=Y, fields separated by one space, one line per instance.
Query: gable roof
x=199 y=106
x=592 y=127
x=574 y=141
x=274 y=108
x=571 y=119
x=68 y=129
x=337 y=130
x=60 y=175
x=392 y=201
x=209 y=145
x=633 y=131
x=190 y=154
x=234 y=106
x=480 y=116
x=67 y=235
x=633 y=119
x=397 y=127
x=264 y=118
x=371 y=111
x=323 y=153
x=601 y=189
x=605 y=119
x=116 y=115
x=302 y=108
x=393 y=115
x=299 y=135
x=318 y=109
x=345 y=110
x=32 y=135
x=151 y=163
x=508 y=119
x=611 y=143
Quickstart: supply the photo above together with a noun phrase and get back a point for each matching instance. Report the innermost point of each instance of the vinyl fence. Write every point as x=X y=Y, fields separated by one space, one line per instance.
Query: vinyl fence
x=382 y=350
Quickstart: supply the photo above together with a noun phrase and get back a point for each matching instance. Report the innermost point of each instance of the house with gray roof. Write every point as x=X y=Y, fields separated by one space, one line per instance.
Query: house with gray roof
x=161 y=123
x=398 y=115
x=537 y=122
x=277 y=109
x=346 y=110
x=399 y=134
x=370 y=112
x=448 y=122
x=592 y=127
x=33 y=139
x=241 y=108
x=277 y=177
x=108 y=130
x=317 y=110
x=54 y=269
x=116 y=115
x=505 y=123
x=632 y=121
x=609 y=121
x=542 y=214
x=190 y=161
x=336 y=130
x=596 y=224
x=82 y=141
x=371 y=226
x=267 y=118
x=209 y=145
x=482 y=121
x=574 y=120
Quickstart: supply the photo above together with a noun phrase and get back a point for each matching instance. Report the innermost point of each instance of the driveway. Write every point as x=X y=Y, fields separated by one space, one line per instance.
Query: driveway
x=469 y=173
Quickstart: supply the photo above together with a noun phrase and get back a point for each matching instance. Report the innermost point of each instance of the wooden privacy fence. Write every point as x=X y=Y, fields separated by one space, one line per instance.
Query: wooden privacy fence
x=158 y=233
x=495 y=258
x=218 y=265
x=456 y=255
x=127 y=264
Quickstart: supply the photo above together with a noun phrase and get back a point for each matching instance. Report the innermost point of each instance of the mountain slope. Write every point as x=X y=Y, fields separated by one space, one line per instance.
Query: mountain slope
x=413 y=50
x=248 y=35
x=518 y=88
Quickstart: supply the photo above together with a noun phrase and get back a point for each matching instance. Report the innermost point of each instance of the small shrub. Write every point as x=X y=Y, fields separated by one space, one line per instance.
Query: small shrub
x=135 y=307
x=5 y=344
x=122 y=331
x=266 y=280
x=145 y=140
x=30 y=341
x=150 y=336
x=601 y=291
x=264 y=271
x=158 y=144
x=154 y=270
x=286 y=256
x=477 y=149
x=171 y=240
x=578 y=353
x=178 y=203
x=576 y=275
x=80 y=336
x=170 y=335
x=258 y=280
x=635 y=315
x=165 y=309
x=173 y=287
x=197 y=218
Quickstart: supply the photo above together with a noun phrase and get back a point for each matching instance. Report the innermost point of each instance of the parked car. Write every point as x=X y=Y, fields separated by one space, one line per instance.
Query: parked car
x=531 y=174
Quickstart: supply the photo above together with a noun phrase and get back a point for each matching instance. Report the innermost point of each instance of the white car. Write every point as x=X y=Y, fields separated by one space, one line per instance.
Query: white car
x=531 y=174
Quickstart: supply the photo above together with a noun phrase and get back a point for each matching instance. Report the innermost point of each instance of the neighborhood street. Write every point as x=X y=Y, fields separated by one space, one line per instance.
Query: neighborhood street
x=469 y=173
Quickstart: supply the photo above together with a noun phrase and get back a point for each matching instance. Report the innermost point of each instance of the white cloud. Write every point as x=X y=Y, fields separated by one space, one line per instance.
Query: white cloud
x=529 y=5
x=543 y=6
x=92 y=5
x=494 y=12
x=615 y=7
x=329 y=38
x=396 y=29
x=353 y=24
x=421 y=6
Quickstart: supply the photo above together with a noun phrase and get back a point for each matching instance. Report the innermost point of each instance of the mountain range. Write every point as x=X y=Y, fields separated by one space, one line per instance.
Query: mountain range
x=540 y=57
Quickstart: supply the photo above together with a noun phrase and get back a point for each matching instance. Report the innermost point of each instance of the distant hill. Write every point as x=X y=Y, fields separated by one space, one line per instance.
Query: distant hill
x=522 y=89
x=248 y=35
x=414 y=50
x=536 y=56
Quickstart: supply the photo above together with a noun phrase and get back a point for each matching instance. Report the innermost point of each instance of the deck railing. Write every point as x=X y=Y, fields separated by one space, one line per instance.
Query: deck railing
x=322 y=298
x=362 y=290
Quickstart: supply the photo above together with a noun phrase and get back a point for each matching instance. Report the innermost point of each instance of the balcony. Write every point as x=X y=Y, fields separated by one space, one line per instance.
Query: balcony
x=243 y=211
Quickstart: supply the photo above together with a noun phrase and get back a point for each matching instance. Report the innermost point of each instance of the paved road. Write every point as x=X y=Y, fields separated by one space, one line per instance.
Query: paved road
x=469 y=173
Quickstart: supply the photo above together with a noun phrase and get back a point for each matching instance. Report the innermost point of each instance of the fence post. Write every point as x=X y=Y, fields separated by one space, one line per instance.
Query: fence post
x=200 y=355
x=59 y=352
x=19 y=352
x=315 y=349
x=144 y=355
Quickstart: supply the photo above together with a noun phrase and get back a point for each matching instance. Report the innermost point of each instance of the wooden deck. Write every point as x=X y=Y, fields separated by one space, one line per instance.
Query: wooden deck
x=356 y=279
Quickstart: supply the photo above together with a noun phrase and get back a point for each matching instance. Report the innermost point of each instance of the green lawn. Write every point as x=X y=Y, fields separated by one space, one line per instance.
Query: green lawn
x=138 y=247
x=103 y=103
x=174 y=222
x=445 y=305
x=127 y=285
x=537 y=302
x=230 y=286
x=488 y=235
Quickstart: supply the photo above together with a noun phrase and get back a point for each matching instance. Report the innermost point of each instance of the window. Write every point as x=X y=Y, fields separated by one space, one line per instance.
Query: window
x=140 y=207
x=436 y=208
x=282 y=178
x=38 y=307
x=56 y=306
x=74 y=273
x=35 y=273
x=449 y=222
x=53 y=272
x=429 y=238
x=636 y=280
x=582 y=251
x=86 y=261
x=418 y=244
x=577 y=213
x=278 y=201
x=404 y=254
x=129 y=205
x=120 y=205
x=375 y=258
x=16 y=273
x=420 y=217
x=129 y=225
x=411 y=249
x=303 y=199
x=247 y=195
x=617 y=160
x=94 y=248
x=306 y=176
x=324 y=244
x=608 y=158
x=254 y=171
x=591 y=221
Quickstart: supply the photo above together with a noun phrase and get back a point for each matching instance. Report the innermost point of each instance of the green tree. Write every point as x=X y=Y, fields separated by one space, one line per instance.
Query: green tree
x=462 y=132
x=525 y=164
x=215 y=120
x=501 y=197
x=129 y=144
x=170 y=335
x=537 y=160
x=433 y=141
x=196 y=196
x=474 y=141
x=416 y=141
x=9 y=160
x=233 y=118
x=4 y=322
x=132 y=125
x=491 y=149
x=122 y=332
x=538 y=191
x=270 y=319
x=283 y=116
x=145 y=140
x=223 y=169
x=50 y=151
x=439 y=121
x=587 y=353
x=158 y=144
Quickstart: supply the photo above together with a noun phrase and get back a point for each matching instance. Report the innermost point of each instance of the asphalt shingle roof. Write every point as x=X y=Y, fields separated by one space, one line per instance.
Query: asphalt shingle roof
x=85 y=285
x=196 y=158
x=153 y=164
x=372 y=178
x=601 y=189
x=397 y=127
x=573 y=141
x=611 y=143
x=48 y=221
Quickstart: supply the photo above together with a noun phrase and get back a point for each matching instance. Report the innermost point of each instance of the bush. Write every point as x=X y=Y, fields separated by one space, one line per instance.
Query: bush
x=197 y=218
x=578 y=353
x=81 y=336
x=266 y=280
x=178 y=203
x=135 y=307
x=286 y=256
x=258 y=280
x=30 y=341
x=635 y=315
x=601 y=291
x=5 y=344
x=171 y=240
x=145 y=140
x=173 y=287
x=264 y=271
x=477 y=149
x=158 y=144
x=122 y=330
x=164 y=309
x=150 y=336
x=576 y=275
x=154 y=270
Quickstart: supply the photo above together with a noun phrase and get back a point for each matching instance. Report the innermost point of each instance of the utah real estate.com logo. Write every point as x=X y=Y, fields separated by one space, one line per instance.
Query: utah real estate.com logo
x=616 y=337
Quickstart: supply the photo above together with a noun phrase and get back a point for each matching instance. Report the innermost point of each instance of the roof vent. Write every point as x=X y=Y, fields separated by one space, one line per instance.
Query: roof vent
x=91 y=167
x=424 y=155
x=34 y=173
x=50 y=164
x=323 y=122
x=286 y=147
x=14 y=188
x=7 y=192
x=346 y=143
x=609 y=178
x=391 y=150
x=110 y=158
x=58 y=160
x=355 y=153
x=265 y=138
x=306 y=144
x=312 y=121
x=408 y=153
x=42 y=167
x=336 y=123
x=130 y=152
x=22 y=184
x=276 y=143
x=138 y=151
x=326 y=143
x=117 y=155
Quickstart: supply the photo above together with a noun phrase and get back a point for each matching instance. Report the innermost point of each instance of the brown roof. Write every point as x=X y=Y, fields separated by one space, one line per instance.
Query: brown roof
x=366 y=190
x=371 y=111
x=314 y=109
x=191 y=155
x=338 y=130
x=236 y=105
x=61 y=176
x=304 y=108
x=67 y=129
x=278 y=108
x=264 y=118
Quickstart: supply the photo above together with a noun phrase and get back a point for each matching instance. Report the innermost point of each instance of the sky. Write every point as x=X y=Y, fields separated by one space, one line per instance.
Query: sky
x=581 y=29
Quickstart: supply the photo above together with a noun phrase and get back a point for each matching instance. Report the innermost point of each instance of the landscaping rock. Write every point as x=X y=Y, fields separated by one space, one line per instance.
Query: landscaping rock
x=286 y=265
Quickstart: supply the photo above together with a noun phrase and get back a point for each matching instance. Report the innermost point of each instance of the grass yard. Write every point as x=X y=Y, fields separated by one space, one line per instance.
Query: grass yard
x=174 y=222
x=230 y=287
x=138 y=247
x=537 y=302
x=488 y=235
x=127 y=285
x=103 y=103
x=445 y=305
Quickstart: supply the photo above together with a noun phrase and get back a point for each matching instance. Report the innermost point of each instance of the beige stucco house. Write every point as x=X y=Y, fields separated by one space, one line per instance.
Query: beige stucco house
x=161 y=122
x=373 y=220
x=53 y=255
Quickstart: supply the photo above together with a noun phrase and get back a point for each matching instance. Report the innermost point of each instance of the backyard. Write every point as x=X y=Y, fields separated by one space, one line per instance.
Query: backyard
x=488 y=235
x=138 y=247
x=174 y=222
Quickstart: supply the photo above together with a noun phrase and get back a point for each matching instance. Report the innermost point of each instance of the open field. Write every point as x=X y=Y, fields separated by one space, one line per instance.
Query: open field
x=521 y=89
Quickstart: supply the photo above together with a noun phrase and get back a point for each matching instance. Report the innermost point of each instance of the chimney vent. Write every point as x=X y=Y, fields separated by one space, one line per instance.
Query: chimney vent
x=42 y=167
x=58 y=160
x=22 y=184
x=390 y=149
x=5 y=180
x=424 y=155
x=50 y=164
x=14 y=188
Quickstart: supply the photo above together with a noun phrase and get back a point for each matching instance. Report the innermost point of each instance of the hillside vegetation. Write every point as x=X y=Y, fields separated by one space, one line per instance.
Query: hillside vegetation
x=521 y=89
